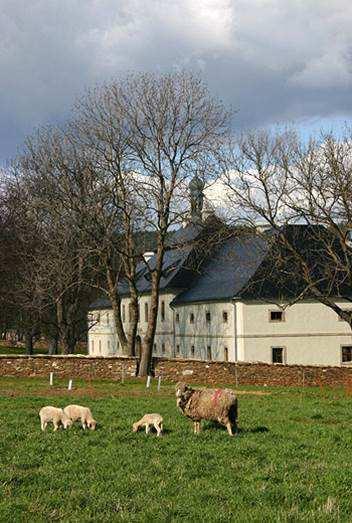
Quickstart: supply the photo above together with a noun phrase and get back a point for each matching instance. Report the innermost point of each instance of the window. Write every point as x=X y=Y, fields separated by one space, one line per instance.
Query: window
x=98 y=318
x=163 y=348
x=138 y=312
x=177 y=350
x=99 y=346
x=123 y=313
x=107 y=319
x=191 y=318
x=162 y=311
x=92 y=346
x=276 y=316
x=207 y=317
x=146 y=312
x=209 y=353
x=226 y=354
x=108 y=346
x=277 y=354
x=192 y=351
x=177 y=317
x=346 y=354
x=155 y=348
x=130 y=312
x=225 y=316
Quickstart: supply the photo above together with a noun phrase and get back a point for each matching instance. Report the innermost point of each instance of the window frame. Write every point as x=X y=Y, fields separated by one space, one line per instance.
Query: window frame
x=226 y=354
x=283 y=348
x=209 y=351
x=344 y=346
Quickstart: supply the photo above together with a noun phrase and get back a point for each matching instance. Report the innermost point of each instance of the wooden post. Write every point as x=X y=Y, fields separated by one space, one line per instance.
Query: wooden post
x=148 y=382
x=70 y=385
x=159 y=383
x=51 y=380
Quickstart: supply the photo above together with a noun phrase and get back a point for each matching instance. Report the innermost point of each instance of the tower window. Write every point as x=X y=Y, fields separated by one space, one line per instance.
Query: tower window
x=162 y=311
x=225 y=317
x=177 y=350
x=163 y=348
x=208 y=317
x=146 y=312
x=209 y=357
x=177 y=317
x=192 y=351
x=123 y=313
x=191 y=318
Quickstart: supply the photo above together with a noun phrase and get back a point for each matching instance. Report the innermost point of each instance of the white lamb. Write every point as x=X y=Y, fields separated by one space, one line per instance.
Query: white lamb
x=54 y=415
x=149 y=419
x=77 y=412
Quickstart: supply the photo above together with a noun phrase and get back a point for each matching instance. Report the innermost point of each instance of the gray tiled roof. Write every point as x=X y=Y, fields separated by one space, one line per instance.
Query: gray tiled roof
x=227 y=272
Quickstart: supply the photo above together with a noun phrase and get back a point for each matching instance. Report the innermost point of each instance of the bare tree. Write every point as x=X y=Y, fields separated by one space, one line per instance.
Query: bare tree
x=301 y=190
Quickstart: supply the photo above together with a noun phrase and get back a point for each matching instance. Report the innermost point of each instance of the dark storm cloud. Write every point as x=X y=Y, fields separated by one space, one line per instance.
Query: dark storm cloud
x=272 y=60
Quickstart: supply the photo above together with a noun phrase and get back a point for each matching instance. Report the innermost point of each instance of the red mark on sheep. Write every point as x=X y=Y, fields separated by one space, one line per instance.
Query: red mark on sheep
x=216 y=396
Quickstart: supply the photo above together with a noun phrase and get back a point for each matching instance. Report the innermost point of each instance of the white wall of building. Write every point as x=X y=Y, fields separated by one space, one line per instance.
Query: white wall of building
x=311 y=333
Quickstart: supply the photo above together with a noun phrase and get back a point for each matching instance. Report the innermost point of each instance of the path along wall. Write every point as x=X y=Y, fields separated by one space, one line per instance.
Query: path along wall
x=210 y=373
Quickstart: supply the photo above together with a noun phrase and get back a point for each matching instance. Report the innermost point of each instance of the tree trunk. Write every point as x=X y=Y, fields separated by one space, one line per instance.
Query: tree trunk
x=29 y=342
x=53 y=345
x=148 y=340
x=116 y=309
x=132 y=333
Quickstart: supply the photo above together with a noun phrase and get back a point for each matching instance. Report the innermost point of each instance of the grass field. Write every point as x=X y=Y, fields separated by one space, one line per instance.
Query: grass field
x=291 y=461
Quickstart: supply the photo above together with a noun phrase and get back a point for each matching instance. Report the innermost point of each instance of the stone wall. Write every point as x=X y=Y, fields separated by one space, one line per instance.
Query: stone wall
x=191 y=371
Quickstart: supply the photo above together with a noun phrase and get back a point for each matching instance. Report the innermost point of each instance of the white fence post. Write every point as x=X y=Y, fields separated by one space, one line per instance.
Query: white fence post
x=70 y=385
x=159 y=383
x=51 y=381
x=148 y=382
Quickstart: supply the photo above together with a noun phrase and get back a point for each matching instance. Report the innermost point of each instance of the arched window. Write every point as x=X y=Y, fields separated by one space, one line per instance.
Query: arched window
x=226 y=354
x=192 y=351
x=209 y=357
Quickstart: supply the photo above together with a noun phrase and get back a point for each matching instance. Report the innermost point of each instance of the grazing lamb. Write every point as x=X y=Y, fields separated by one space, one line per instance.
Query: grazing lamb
x=149 y=419
x=57 y=416
x=210 y=404
x=76 y=412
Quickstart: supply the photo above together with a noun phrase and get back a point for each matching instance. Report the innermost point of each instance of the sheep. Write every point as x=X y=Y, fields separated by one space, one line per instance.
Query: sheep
x=57 y=416
x=210 y=404
x=149 y=419
x=76 y=412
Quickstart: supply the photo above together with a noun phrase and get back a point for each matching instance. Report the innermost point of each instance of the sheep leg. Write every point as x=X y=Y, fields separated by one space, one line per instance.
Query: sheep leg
x=43 y=424
x=147 y=429
x=158 y=429
x=56 y=425
x=195 y=427
x=229 y=428
x=83 y=425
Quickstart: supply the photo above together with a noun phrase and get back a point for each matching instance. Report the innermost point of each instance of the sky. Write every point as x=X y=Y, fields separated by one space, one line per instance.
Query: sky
x=273 y=62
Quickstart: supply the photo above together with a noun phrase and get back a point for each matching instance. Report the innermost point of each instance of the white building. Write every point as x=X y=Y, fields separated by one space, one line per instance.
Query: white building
x=229 y=307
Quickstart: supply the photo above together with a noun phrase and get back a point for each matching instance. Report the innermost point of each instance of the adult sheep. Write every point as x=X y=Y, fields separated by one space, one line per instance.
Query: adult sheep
x=210 y=404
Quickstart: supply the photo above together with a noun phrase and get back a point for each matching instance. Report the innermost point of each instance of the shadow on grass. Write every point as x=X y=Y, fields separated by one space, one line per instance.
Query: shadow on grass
x=217 y=426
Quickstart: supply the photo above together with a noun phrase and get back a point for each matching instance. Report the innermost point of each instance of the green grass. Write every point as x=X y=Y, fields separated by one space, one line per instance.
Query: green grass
x=291 y=461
